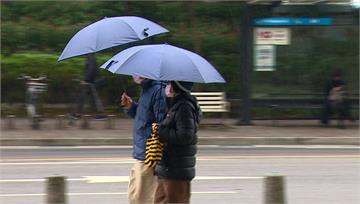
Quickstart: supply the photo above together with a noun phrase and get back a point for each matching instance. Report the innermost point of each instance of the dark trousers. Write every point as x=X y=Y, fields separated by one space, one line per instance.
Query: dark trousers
x=172 y=191
x=88 y=89
x=341 y=109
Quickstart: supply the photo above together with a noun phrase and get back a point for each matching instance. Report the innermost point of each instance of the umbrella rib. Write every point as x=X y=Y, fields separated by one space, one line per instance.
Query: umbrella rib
x=161 y=61
x=127 y=24
x=140 y=37
x=195 y=66
x=129 y=58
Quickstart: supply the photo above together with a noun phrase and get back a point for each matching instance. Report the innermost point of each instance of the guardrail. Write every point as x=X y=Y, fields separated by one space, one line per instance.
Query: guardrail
x=35 y=122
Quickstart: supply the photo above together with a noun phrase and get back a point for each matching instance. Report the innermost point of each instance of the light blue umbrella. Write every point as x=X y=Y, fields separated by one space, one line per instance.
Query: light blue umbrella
x=163 y=62
x=110 y=32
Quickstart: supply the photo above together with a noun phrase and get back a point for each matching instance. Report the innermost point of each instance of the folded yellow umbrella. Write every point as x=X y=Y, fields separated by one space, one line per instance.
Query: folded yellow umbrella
x=154 y=148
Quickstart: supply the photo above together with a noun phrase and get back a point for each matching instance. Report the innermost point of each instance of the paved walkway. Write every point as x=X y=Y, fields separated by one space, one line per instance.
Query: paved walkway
x=260 y=133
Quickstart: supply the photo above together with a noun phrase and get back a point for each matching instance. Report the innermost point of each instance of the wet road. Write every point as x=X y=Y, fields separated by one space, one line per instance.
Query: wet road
x=225 y=174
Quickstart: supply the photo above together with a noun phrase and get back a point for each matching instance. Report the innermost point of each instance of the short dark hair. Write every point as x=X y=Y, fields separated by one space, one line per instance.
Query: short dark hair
x=338 y=73
x=175 y=87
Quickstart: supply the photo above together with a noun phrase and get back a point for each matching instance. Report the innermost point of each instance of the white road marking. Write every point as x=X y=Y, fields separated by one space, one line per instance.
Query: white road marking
x=64 y=163
x=121 y=179
x=309 y=146
x=116 y=179
x=199 y=146
x=36 y=180
x=107 y=179
x=65 y=147
x=227 y=177
x=117 y=160
x=107 y=193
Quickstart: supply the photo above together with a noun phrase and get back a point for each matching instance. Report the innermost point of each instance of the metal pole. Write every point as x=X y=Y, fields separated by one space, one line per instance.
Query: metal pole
x=274 y=190
x=56 y=187
x=85 y=122
x=60 y=121
x=10 y=122
x=110 y=122
x=35 y=122
x=246 y=66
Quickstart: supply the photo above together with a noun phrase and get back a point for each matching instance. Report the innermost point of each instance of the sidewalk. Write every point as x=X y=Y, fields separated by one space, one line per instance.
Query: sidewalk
x=260 y=133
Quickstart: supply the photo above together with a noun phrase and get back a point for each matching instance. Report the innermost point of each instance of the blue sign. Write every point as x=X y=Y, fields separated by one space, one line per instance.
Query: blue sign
x=293 y=21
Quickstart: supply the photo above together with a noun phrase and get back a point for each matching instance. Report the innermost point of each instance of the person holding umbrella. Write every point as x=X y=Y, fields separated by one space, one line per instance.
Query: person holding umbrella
x=112 y=32
x=178 y=132
x=150 y=108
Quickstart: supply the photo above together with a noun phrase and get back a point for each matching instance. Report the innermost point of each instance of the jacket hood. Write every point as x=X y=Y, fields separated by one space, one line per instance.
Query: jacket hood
x=187 y=97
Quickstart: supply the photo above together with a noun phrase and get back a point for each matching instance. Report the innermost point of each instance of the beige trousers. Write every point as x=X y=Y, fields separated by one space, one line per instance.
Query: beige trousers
x=142 y=184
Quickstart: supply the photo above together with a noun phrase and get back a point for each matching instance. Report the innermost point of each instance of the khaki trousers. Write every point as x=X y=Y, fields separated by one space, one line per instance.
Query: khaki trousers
x=172 y=191
x=142 y=184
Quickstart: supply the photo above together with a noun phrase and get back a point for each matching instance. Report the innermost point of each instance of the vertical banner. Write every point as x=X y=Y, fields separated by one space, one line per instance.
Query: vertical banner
x=264 y=57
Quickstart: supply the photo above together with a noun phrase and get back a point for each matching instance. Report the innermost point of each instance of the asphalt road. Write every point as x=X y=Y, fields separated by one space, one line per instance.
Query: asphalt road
x=225 y=174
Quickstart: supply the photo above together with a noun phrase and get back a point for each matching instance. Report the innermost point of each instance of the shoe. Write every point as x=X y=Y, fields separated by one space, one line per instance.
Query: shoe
x=100 y=117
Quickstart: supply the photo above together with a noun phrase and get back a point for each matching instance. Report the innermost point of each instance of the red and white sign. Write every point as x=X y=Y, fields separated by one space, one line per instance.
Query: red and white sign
x=272 y=36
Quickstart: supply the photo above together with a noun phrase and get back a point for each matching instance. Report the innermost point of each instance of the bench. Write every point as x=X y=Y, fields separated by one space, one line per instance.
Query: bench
x=213 y=102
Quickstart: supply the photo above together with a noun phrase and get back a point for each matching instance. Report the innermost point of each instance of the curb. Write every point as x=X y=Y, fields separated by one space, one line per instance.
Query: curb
x=202 y=141
x=280 y=141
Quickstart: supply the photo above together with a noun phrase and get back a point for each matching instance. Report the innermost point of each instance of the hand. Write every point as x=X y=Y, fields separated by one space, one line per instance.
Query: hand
x=338 y=88
x=126 y=100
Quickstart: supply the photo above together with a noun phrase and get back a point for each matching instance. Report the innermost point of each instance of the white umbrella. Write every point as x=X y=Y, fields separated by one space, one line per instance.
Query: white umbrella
x=110 y=32
x=163 y=62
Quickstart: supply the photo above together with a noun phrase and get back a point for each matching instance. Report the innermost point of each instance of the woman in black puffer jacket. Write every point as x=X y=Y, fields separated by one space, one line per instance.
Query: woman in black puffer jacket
x=178 y=132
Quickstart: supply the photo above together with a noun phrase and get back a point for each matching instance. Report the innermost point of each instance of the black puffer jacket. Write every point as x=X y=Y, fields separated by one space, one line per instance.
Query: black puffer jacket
x=178 y=132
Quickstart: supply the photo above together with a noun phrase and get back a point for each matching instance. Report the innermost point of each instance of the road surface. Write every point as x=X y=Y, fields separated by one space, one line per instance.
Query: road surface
x=225 y=174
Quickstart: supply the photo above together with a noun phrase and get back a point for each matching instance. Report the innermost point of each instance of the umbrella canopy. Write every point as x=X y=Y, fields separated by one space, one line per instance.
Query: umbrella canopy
x=163 y=62
x=110 y=32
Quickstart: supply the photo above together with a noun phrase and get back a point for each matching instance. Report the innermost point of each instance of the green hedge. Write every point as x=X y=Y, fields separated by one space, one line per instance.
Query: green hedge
x=61 y=86
x=33 y=34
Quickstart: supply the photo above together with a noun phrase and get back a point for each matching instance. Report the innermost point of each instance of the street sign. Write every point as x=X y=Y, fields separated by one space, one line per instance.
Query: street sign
x=293 y=21
x=264 y=57
x=272 y=36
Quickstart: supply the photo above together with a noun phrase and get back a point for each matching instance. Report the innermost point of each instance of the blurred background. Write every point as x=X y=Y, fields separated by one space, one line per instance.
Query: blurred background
x=319 y=163
x=33 y=34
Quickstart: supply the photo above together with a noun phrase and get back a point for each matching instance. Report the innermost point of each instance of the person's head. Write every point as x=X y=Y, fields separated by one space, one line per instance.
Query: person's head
x=138 y=79
x=174 y=88
x=337 y=74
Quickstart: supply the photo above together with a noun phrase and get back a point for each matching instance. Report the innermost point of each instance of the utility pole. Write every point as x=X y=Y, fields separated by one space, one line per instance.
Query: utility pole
x=246 y=64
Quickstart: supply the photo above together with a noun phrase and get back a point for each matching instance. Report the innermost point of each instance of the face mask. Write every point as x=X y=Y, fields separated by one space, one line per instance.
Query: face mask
x=168 y=91
x=138 y=79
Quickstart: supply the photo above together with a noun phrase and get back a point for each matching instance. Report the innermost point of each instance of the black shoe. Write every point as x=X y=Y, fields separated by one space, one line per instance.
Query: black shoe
x=100 y=117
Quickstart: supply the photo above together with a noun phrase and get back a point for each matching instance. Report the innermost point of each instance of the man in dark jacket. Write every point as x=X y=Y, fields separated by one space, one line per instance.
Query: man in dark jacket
x=335 y=100
x=92 y=79
x=150 y=108
x=178 y=133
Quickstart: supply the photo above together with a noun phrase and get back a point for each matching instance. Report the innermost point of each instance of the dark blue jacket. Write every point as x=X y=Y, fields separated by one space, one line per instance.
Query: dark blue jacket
x=150 y=108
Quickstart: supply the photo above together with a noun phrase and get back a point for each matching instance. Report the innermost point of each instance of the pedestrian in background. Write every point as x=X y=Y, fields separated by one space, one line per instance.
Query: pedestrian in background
x=178 y=132
x=335 y=101
x=92 y=79
x=150 y=108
